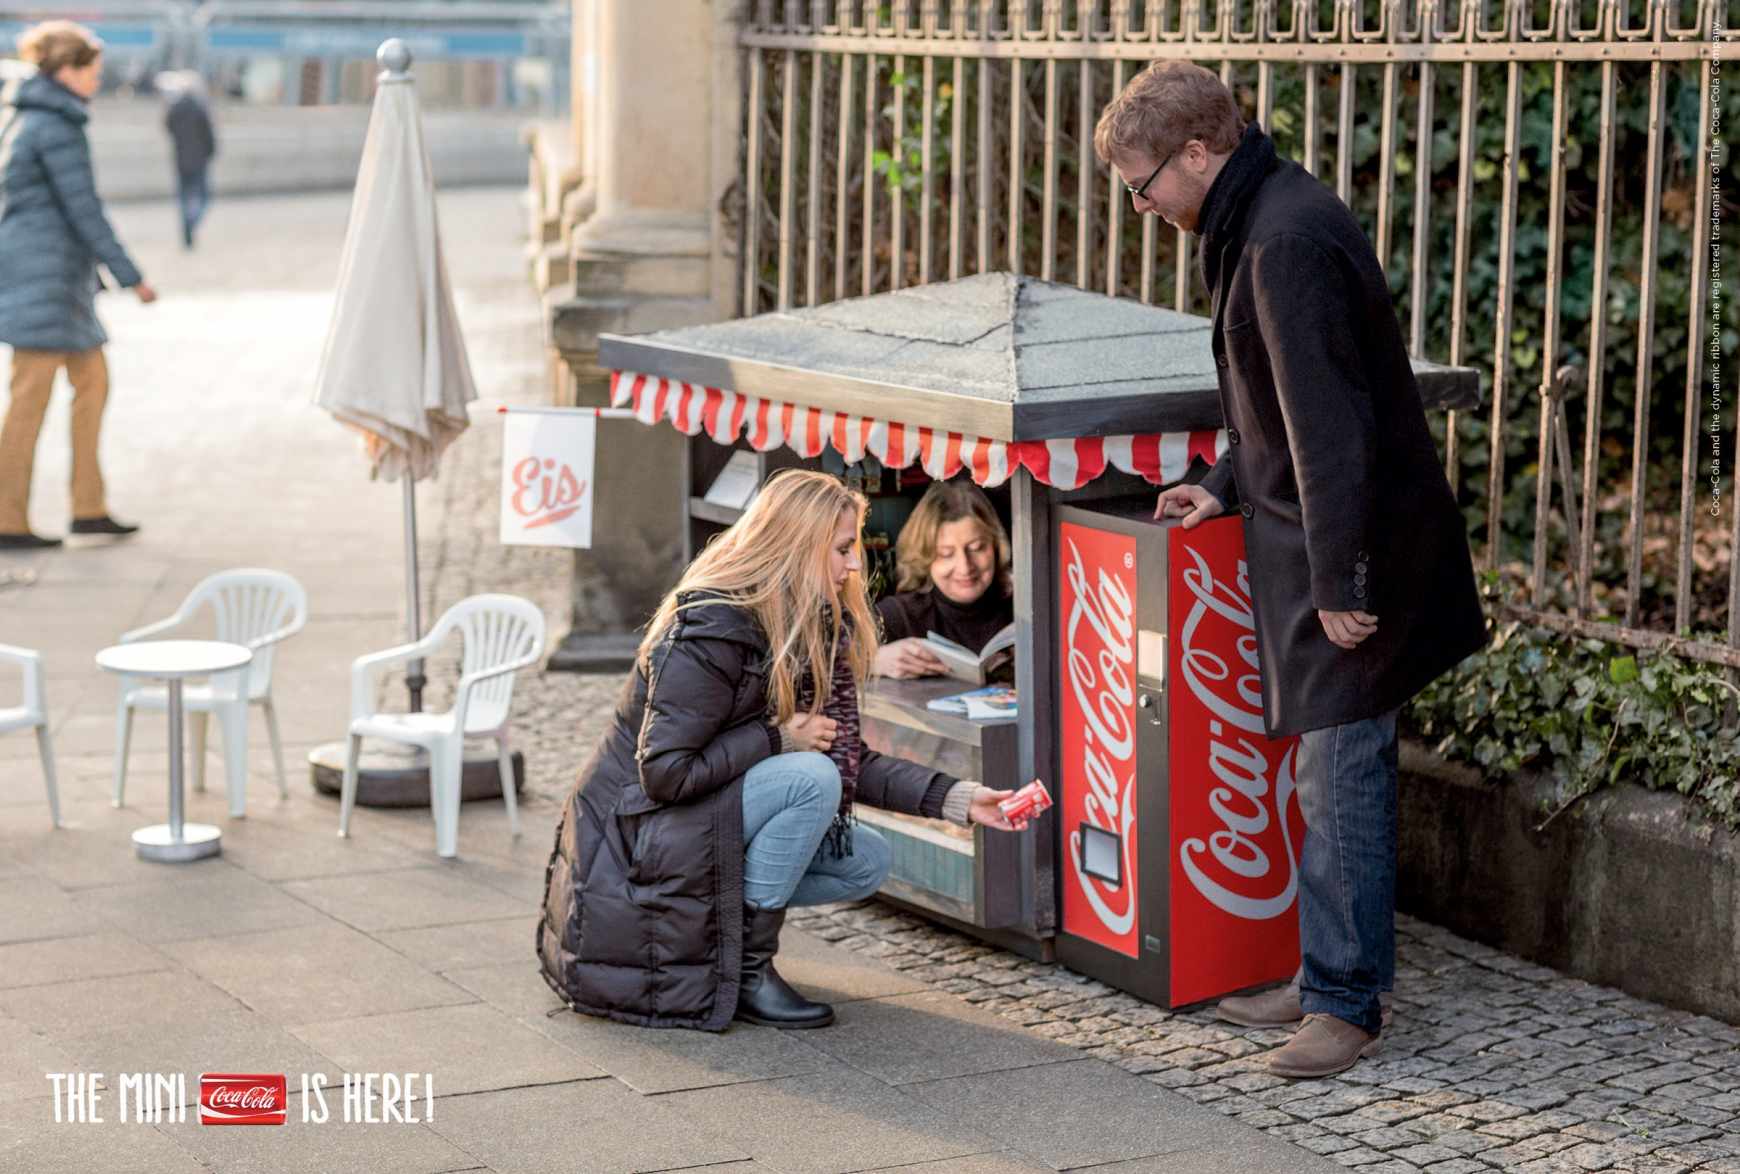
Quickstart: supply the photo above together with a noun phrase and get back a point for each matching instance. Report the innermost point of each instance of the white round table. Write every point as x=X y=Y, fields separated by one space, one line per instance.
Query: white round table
x=172 y=662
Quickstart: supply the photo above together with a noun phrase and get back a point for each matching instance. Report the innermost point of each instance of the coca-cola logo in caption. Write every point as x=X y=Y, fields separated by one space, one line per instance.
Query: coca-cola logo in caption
x=1231 y=868
x=1099 y=661
x=234 y=1099
x=257 y=1097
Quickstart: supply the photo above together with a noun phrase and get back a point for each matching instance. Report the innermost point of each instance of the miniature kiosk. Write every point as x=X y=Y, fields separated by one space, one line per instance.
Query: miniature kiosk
x=1167 y=866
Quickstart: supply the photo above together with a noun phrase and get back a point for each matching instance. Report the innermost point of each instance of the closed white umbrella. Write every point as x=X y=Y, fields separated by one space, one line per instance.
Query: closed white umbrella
x=394 y=368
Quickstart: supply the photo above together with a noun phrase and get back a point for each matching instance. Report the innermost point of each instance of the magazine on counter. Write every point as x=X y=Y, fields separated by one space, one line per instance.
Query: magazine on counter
x=994 y=703
x=963 y=663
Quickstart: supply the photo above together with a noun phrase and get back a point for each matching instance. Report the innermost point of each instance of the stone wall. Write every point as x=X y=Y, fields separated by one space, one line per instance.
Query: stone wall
x=1622 y=888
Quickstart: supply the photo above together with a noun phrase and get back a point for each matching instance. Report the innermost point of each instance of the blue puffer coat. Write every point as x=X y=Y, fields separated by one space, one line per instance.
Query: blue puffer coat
x=53 y=231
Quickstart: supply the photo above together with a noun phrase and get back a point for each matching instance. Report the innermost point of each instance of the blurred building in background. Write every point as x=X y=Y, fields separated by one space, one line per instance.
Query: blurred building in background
x=475 y=54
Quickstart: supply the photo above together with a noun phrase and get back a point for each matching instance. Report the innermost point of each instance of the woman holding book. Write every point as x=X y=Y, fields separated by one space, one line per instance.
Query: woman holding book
x=952 y=558
x=722 y=794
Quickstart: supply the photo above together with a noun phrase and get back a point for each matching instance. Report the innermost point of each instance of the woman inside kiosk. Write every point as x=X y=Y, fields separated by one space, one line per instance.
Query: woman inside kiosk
x=952 y=559
x=723 y=791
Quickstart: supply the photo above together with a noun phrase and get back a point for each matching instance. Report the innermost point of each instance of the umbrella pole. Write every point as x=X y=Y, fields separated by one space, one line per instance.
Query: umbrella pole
x=414 y=678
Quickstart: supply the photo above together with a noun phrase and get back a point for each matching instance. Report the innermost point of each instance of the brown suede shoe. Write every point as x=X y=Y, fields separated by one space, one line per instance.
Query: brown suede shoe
x=1272 y=1008
x=1276 y=1008
x=1323 y=1046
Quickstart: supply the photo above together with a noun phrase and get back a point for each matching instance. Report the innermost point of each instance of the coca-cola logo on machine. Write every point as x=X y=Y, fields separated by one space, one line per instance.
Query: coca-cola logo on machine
x=1097 y=603
x=1235 y=819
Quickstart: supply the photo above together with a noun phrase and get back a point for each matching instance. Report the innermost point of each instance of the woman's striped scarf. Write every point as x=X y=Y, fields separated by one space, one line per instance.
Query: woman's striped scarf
x=842 y=706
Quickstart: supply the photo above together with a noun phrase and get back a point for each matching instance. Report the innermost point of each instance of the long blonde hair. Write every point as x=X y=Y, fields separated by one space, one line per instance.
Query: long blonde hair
x=773 y=562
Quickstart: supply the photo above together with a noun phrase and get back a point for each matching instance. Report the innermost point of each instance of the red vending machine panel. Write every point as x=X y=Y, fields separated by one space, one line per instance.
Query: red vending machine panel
x=1236 y=826
x=1097 y=737
x=1178 y=824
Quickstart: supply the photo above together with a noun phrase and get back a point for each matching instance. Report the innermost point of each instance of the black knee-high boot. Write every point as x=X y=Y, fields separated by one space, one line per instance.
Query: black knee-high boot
x=765 y=997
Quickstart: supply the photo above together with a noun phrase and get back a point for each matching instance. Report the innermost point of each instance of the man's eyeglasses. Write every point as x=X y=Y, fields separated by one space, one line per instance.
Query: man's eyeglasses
x=1136 y=192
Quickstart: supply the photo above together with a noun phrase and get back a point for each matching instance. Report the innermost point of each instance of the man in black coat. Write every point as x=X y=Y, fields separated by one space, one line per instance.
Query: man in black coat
x=1359 y=563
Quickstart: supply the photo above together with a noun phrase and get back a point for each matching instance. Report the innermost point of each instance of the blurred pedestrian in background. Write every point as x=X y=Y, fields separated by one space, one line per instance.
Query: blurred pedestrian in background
x=188 y=120
x=53 y=234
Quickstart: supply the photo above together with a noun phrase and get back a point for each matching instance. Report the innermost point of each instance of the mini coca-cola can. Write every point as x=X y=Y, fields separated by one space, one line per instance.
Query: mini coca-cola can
x=1025 y=804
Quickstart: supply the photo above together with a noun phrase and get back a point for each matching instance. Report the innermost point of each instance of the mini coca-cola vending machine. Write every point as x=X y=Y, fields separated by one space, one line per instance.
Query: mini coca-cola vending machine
x=1177 y=822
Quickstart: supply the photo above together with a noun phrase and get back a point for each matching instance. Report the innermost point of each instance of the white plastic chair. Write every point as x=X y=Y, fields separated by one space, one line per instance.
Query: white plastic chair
x=33 y=714
x=502 y=634
x=252 y=607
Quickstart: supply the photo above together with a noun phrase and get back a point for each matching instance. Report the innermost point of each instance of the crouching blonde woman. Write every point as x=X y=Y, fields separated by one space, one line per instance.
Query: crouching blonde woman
x=722 y=792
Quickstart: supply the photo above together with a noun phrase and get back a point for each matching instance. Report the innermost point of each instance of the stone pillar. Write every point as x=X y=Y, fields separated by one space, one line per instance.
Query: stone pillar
x=649 y=256
x=583 y=109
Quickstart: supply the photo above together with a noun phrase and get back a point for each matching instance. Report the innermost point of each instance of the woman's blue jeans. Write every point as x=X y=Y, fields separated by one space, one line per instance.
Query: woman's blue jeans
x=1347 y=870
x=789 y=801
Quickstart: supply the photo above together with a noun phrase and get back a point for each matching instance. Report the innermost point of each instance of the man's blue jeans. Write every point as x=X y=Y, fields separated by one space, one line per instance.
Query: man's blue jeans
x=789 y=801
x=1347 y=889
x=195 y=198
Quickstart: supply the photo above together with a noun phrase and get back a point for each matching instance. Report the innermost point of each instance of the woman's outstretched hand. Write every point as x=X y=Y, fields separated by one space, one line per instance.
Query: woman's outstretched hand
x=983 y=809
x=811 y=731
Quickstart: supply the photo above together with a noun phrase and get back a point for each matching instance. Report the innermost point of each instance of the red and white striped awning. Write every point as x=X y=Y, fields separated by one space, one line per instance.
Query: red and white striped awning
x=724 y=416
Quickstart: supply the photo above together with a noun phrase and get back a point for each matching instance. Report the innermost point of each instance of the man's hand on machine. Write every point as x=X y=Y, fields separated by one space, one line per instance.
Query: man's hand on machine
x=1346 y=629
x=905 y=659
x=1193 y=503
x=809 y=731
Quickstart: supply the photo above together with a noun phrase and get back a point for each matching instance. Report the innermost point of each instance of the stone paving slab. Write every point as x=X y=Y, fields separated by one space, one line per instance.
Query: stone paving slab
x=104 y=954
x=825 y=972
x=999 y=1162
x=211 y=902
x=1089 y=1113
x=25 y=1055
x=589 y=1127
x=462 y=945
x=646 y=1061
x=32 y=907
x=277 y=852
x=831 y=1122
x=907 y=1038
x=407 y=899
x=314 y=973
x=329 y=1146
x=474 y=1047
x=33 y=1142
x=162 y=1000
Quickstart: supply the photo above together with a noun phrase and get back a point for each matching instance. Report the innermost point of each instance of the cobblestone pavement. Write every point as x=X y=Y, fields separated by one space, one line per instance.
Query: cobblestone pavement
x=1493 y=1063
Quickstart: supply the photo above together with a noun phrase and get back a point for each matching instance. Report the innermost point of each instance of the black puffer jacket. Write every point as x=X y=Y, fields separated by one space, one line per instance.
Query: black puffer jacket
x=643 y=897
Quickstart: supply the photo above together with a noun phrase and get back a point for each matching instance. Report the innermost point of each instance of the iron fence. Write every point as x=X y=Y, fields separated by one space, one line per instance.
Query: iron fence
x=899 y=143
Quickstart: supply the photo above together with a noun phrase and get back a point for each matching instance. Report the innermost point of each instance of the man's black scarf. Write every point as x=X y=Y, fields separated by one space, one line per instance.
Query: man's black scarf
x=1228 y=196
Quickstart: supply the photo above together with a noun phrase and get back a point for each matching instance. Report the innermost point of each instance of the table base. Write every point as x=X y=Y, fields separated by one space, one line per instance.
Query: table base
x=158 y=842
x=393 y=775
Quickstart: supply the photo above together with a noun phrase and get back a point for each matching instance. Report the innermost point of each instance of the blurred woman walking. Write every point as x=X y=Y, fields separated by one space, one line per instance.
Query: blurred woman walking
x=53 y=235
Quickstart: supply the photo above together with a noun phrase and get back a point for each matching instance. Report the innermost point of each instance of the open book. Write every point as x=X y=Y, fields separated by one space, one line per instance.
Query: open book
x=966 y=665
